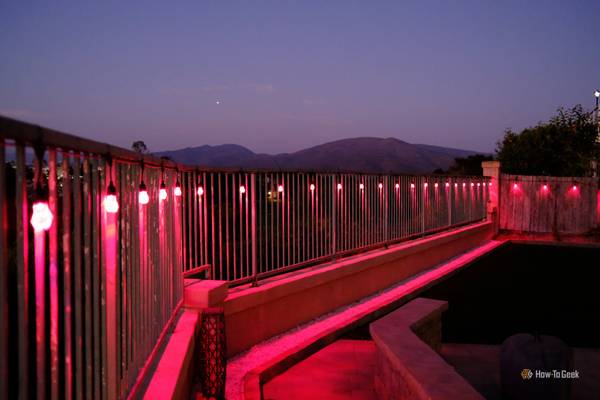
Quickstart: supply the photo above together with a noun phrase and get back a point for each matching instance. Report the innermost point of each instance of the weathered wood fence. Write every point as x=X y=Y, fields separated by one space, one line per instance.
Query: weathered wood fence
x=561 y=205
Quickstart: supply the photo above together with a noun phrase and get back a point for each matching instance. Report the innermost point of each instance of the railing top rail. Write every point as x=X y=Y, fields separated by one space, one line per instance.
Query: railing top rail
x=31 y=134
x=27 y=133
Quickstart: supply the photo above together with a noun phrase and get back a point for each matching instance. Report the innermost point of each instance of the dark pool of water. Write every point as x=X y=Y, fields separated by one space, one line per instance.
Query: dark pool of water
x=554 y=290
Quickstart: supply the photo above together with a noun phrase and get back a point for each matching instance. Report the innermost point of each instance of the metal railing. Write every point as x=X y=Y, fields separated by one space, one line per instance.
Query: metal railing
x=249 y=225
x=86 y=302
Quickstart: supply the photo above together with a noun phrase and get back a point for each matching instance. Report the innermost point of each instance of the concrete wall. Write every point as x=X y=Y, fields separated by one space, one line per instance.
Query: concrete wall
x=408 y=366
x=279 y=304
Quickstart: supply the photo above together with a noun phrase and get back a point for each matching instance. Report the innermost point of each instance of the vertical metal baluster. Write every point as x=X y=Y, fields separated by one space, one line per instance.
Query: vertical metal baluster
x=3 y=280
x=247 y=224
x=239 y=269
x=253 y=193
x=213 y=258
x=53 y=274
x=95 y=290
x=40 y=301
x=67 y=274
x=288 y=187
x=23 y=268
x=227 y=243
x=186 y=221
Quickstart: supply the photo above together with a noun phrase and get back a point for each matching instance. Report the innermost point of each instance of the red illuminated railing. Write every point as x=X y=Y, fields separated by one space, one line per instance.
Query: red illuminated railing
x=96 y=240
x=89 y=277
x=249 y=225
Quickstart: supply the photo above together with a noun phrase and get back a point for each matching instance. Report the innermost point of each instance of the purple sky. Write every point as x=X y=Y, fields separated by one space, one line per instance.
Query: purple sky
x=292 y=74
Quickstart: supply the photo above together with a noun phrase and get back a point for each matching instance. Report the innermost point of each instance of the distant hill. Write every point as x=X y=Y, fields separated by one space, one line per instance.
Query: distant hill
x=366 y=154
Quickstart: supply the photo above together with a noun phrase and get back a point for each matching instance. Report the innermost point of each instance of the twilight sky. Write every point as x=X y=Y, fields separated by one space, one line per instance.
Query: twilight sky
x=292 y=74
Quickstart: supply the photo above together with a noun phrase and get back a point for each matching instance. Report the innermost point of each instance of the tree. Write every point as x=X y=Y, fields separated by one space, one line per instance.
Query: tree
x=563 y=146
x=139 y=147
x=470 y=165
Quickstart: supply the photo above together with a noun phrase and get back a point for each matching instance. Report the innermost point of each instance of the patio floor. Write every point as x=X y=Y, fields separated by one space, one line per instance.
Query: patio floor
x=342 y=370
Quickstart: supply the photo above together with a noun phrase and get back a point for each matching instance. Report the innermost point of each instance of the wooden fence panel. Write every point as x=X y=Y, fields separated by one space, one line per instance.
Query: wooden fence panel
x=562 y=205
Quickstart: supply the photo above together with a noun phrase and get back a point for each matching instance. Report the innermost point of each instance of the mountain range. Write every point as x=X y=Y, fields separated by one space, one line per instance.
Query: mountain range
x=364 y=154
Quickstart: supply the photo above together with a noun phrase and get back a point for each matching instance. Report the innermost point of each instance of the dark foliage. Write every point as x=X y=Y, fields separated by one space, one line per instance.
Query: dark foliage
x=563 y=146
x=470 y=165
x=139 y=147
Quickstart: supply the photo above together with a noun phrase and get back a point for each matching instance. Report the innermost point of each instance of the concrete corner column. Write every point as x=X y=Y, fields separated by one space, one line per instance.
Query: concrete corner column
x=491 y=169
x=201 y=293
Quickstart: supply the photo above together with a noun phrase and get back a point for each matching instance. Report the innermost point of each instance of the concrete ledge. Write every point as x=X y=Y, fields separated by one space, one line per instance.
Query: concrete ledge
x=408 y=366
x=268 y=359
x=172 y=378
x=255 y=314
x=202 y=293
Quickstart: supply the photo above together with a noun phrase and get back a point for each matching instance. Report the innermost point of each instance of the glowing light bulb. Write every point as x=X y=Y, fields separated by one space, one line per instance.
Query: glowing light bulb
x=42 y=217
x=464 y=184
x=545 y=187
x=143 y=197
x=200 y=191
x=280 y=188
x=490 y=184
x=162 y=193
x=339 y=186
x=478 y=184
x=412 y=185
x=574 y=188
x=472 y=184
x=111 y=205
x=380 y=186
x=242 y=189
x=397 y=186
x=426 y=184
x=361 y=186
x=177 y=190
x=435 y=185
x=515 y=186
x=447 y=184
x=312 y=187
x=455 y=184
